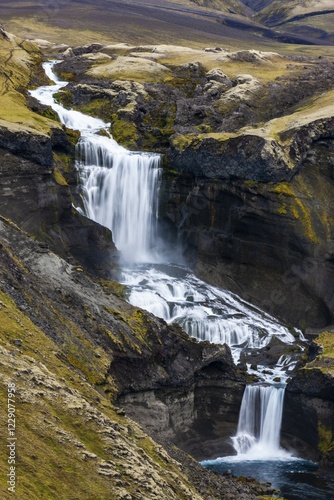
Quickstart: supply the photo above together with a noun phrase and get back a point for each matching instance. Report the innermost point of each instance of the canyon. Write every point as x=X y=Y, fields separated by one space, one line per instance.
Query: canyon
x=261 y=228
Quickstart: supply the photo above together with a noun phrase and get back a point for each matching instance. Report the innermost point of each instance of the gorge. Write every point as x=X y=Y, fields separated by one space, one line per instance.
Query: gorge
x=179 y=389
x=120 y=191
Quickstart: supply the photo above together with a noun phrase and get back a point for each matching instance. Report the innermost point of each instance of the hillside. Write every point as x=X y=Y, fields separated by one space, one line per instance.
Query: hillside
x=112 y=402
x=312 y=18
x=279 y=13
x=192 y=23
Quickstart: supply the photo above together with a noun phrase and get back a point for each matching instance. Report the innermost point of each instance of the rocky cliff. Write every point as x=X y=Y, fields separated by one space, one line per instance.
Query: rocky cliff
x=248 y=185
x=309 y=406
x=75 y=350
x=248 y=144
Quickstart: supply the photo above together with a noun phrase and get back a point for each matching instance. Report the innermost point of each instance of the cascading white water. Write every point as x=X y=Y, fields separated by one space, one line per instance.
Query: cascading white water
x=204 y=311
x=119 y=187
x=120 y=191
x=258 y=434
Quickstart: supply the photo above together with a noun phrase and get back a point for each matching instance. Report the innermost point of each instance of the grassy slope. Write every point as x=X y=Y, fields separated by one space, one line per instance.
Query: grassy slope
x=279 y=13
x=16 y=60
x=71 y=442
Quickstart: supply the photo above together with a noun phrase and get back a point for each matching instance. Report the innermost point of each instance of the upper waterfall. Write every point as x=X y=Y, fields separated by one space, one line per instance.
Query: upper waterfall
x=120 y=188
x=120 y=191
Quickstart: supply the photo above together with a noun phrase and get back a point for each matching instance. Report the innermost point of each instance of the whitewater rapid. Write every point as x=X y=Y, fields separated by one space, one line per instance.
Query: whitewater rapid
x=120 y=190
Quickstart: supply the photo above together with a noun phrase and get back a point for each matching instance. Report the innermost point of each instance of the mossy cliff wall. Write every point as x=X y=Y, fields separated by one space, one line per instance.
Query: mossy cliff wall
x=270 y=243
x=74 y=348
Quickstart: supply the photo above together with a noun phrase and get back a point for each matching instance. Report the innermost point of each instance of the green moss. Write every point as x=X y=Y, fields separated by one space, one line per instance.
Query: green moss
x=64 y=97
x=124 y=132
x=326 y=442
x=66 y=76
x=182 y=142
x=266 y=497
x=58 y=177
x=250 y=183
x=204 y=128
x=103 y=133
x=72 y=135
x=117 y=340
x=113 y=287
x=283 y=209
x=100 y=108
x=138 y=323
x=292 y=200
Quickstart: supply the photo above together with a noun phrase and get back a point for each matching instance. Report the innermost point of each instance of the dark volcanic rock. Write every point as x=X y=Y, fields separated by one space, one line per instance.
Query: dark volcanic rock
x=248 y=157
x=314 y=384
x=308 y=423
x=32 y=146
x=191 y=397
x=269 y=242
x=39 y=205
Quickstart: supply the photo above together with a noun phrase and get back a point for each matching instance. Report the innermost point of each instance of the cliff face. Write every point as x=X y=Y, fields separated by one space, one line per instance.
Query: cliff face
x=269 y=241
x=191 y=398
x=247 y=139
x=309 y=406
x=74 y=349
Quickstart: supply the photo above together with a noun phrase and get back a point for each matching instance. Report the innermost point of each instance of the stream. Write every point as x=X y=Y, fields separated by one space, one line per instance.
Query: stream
x=120 y=190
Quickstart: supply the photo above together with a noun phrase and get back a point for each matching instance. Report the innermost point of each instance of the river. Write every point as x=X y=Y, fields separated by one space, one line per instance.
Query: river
x=120 y=190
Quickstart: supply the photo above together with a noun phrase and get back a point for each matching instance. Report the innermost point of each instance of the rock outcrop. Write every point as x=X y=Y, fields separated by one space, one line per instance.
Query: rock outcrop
x=192 y=398
x=309 y=406
x=74 y=348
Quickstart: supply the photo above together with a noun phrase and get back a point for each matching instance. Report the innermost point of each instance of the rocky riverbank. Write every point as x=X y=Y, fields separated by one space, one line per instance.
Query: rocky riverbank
x=75 y=349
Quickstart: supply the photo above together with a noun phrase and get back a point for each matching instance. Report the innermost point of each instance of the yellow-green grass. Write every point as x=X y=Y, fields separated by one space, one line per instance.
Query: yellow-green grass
x=16 y=62
x=61 y=419
x=139 y=69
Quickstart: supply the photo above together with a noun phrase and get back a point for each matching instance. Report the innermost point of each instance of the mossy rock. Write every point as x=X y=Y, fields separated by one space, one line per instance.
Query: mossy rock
x=124 y=132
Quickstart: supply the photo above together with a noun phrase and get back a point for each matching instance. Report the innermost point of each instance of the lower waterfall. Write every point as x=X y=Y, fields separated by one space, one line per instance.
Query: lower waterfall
x=260 y=418
x=120 y=190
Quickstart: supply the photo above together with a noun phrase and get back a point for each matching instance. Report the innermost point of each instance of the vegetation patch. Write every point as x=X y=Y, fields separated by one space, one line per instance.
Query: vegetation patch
x=293 y=201
x=124 y=132
x=16 y=62
x=59 y=178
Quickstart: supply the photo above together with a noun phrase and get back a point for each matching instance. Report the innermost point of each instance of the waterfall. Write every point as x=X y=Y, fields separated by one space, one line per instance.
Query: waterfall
x=120 y=191
x=258 y=433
